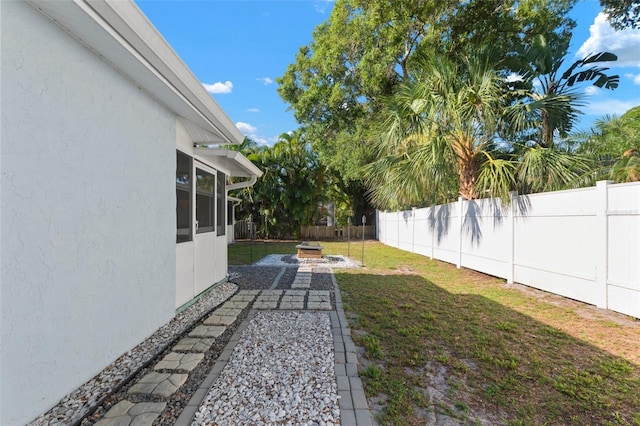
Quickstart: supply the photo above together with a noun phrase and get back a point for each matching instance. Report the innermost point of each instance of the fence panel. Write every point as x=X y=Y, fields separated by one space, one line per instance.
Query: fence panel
x=623 y=248
x=556 y=243
x=446 y=223
x=486 y=241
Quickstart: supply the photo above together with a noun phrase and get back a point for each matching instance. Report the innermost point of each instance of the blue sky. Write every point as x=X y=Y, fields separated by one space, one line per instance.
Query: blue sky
x=238 y=48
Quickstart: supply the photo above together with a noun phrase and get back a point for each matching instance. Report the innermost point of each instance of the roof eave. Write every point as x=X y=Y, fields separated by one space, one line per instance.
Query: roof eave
x=229 y=159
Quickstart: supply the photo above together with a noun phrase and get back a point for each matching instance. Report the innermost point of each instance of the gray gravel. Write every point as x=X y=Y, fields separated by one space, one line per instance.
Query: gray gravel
x=337 y=261
x=79 y=402
x=253 y=277
x=281 y=372
x=321 y=279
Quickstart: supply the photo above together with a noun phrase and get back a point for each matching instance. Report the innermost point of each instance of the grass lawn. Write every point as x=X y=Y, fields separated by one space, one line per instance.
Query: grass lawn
x=441 y=340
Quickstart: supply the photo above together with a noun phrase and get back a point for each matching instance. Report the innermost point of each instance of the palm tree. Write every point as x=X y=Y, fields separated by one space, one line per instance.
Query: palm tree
x=450 y=131
x=548 y=101
x=552 y=98
x=440 y=135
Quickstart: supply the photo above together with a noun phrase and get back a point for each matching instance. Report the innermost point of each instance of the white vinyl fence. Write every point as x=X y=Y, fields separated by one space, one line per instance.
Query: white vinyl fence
x=583 y=244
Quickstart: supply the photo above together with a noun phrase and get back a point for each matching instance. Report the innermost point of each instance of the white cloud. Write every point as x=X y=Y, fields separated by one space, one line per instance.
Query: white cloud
x=611 y=106
x=265 y=80
x=633 y=77
x=260 y=141
x=603 y=38
x=513 y=77
x=253 y=110
x=251 y=132
x=246 y=128
x=321 y=6
x=591 y=90
x=219 y=87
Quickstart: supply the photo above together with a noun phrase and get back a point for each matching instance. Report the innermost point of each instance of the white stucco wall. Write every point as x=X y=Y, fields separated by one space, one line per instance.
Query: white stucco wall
x=87 y=217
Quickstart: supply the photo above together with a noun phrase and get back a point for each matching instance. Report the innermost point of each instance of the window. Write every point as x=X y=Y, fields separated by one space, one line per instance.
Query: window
x=221 y=220
x=183 y=197
x=205 y=201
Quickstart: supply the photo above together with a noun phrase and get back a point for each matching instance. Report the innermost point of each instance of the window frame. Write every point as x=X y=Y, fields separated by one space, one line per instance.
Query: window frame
x=203 y=227
x=221 y=205
x=184 y=234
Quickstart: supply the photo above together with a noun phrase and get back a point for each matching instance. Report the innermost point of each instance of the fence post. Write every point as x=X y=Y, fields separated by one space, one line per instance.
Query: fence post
x=602 y=228
x=511 y=223
x=398 y=227
x=386 y=227
x=432 y=226
x=413 y=230
x=460 y=222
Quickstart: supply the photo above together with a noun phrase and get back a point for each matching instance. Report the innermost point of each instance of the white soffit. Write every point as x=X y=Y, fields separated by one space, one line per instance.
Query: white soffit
x=122 y=36
x=233 y=161
x=199 y=136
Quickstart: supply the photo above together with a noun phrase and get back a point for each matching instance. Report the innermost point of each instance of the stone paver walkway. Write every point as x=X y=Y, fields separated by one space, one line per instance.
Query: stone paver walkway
x=303 y=277
x=189 y=351
x=128 y=413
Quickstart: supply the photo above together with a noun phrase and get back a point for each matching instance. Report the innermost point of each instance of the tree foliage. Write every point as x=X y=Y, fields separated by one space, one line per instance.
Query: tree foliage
x=338 y=83
x=549 y=89
x=405 y=94
x=460 y=128
x=614 y=142
x=293 y=186
x=622 y=14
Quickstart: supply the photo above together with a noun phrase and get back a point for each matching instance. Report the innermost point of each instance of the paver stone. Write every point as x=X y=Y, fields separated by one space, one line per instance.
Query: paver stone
x=144 y=419
x=147 y=407
x=119 y=410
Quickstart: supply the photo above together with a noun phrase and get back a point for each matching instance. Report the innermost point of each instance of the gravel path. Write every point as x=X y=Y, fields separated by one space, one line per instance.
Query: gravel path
x=281 y=372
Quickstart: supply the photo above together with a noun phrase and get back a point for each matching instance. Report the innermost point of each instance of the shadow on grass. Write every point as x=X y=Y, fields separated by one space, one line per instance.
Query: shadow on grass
x=497 y=360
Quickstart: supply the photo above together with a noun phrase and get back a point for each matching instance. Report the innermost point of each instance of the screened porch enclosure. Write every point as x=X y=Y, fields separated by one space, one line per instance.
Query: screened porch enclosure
x=201 y=209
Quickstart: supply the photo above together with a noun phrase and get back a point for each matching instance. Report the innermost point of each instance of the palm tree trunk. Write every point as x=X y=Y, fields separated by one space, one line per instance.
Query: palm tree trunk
x=468 y=168
x=468 y=174
x=547 y=130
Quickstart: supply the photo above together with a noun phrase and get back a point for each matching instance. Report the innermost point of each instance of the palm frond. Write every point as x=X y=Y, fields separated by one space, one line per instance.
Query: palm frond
x=548 y=169
x=497 y=177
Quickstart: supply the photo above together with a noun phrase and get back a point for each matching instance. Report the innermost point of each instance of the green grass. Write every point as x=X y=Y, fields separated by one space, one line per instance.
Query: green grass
x=504 y=351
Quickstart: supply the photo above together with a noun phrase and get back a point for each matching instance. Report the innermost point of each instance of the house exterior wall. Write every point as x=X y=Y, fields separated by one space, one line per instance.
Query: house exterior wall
x=88 y=214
